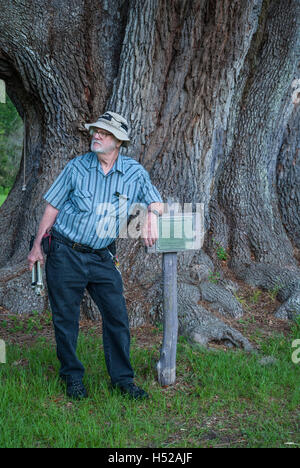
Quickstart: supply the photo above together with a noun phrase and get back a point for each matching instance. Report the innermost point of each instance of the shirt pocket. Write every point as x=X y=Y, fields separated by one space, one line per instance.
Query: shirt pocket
x=82 y=199
x=120 y=201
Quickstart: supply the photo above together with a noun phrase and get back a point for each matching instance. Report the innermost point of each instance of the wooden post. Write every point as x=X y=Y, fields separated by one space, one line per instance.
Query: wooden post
x=186 y=233
x=166 y=367
x=2 y=92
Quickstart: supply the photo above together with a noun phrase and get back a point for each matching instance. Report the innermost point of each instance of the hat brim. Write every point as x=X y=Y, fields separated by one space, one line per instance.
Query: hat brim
x=106 y=126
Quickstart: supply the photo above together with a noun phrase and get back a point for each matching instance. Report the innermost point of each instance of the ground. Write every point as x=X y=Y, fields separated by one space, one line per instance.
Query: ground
x=258 y=320
x=222 y=397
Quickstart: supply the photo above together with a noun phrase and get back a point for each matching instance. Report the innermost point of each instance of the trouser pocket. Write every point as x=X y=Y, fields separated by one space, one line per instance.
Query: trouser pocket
x=115 y=261
x=46 y=242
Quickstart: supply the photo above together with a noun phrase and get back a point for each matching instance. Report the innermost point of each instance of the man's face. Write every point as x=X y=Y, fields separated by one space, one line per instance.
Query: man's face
x=103 y=142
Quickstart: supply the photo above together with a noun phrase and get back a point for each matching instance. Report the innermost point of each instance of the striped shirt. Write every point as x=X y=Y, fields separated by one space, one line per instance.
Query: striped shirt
x=93 y=206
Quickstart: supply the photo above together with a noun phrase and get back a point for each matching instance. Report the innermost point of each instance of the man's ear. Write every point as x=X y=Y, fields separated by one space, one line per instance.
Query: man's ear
x=119 y=143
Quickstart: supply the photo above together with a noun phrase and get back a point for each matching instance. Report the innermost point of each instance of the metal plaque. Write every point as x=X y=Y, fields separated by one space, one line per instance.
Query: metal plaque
x=179 y=232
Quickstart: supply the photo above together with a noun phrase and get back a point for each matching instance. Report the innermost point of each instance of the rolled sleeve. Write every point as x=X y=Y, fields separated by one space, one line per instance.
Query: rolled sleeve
x=148 y=192
x=61 y=187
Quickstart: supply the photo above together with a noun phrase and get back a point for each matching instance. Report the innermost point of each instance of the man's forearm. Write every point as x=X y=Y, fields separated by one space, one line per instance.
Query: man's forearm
x=46 y=223
x=149 y=230
x=158 y=206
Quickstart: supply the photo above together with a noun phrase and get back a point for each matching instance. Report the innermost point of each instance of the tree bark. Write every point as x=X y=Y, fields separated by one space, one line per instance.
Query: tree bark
x=206 y=86
x=247 y=193
x=288 y=178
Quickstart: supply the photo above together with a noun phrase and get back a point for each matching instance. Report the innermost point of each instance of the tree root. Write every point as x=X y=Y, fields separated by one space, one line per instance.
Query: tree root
x=282 y=283
x=202 y=326
x=16 y=293
x=221 y=299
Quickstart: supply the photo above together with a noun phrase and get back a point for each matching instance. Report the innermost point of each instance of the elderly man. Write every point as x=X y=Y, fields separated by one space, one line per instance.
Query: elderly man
x=85 y=204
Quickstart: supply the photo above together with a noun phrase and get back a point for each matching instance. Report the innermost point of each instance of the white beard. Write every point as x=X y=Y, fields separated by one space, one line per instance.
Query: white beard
x=97 y=147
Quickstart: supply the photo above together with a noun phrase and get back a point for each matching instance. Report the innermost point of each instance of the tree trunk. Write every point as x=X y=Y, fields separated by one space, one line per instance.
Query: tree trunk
x=288 y=178
x=58 y=60
x=247 y=192
x=206 y=86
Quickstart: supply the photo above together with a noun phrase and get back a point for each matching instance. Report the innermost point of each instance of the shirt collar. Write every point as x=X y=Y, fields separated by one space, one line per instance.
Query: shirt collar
x=118 y=165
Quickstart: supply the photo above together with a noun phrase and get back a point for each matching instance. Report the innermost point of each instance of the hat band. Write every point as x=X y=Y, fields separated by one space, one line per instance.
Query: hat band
x=110 y=117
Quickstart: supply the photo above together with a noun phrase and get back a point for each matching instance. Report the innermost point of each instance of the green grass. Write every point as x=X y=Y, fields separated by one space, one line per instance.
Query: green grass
x=3 y=194
x=221 y=399
x=2 y=198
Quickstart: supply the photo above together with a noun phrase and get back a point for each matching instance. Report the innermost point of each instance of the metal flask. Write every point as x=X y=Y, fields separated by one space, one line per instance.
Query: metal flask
x=37 y=279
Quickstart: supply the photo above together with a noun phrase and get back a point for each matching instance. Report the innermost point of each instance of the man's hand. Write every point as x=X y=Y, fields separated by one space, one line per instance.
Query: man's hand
x=150 y=229
x=48 y=219
x=35 y=255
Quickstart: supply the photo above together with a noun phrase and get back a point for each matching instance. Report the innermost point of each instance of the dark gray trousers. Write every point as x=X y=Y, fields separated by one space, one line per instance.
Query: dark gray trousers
x=68 y=273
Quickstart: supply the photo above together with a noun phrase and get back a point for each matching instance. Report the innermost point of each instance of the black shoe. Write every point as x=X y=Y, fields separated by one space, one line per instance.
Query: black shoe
x=76 y=389
x=132 y=391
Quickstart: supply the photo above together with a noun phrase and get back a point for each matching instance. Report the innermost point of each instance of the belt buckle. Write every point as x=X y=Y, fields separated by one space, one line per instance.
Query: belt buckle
x=74 y=245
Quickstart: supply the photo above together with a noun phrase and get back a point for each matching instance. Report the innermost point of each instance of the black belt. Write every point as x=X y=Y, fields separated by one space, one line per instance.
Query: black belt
x=76 y=246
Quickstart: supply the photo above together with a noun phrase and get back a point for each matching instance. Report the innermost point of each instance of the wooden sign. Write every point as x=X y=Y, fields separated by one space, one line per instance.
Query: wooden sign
x=178 y=232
